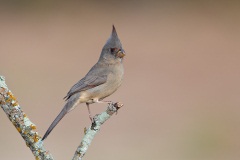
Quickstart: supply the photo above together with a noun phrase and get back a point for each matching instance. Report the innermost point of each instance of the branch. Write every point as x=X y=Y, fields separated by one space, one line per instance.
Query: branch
x=98 y=120
x=22 y=123
x=28 y=131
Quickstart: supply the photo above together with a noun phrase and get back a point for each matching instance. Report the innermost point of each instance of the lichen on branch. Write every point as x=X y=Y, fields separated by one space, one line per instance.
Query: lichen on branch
x=98 y=120
x=27 y=129
x=22 y=123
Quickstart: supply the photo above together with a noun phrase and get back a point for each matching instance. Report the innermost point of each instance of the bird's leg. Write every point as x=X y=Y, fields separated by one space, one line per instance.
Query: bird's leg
x=89 y=112
x=109 y=102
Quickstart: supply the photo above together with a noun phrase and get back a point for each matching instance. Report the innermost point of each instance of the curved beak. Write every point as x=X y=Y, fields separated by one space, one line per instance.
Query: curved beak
x=121 y=53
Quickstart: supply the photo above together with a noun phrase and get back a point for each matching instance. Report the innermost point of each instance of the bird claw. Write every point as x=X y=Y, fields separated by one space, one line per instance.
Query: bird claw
x=90 y=117
x=111 y=103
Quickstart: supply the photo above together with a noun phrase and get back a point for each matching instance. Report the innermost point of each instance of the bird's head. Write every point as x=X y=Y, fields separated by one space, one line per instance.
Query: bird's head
x=112 y=50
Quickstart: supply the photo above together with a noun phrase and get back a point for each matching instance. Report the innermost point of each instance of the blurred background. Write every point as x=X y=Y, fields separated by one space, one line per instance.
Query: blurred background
x=181 y=90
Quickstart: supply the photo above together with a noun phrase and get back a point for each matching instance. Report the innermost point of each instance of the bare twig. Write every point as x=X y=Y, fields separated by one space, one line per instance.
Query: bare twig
x=22 y=123
x=98 y=120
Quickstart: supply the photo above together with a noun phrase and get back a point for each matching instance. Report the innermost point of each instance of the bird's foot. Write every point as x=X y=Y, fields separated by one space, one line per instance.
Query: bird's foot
x=90 y=117
x=108 y=102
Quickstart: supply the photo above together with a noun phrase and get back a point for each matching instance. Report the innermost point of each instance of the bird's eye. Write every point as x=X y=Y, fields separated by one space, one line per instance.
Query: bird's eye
x=113 y=49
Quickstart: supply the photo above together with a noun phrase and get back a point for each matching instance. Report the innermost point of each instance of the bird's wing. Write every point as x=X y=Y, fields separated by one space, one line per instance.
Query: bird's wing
x=90 y=81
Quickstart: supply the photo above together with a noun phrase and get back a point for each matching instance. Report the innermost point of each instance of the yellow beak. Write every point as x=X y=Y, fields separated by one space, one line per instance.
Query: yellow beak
x=121 y=54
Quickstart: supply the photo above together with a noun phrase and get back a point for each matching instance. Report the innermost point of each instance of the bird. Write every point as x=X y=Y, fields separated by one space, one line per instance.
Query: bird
x=102 y=80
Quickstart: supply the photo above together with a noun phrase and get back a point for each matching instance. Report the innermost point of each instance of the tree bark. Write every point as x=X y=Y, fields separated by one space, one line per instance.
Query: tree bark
x=28 y=130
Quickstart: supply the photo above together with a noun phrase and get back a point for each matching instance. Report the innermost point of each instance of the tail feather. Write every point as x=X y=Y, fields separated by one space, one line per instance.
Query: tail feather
x=70 y=105
x=55 y=122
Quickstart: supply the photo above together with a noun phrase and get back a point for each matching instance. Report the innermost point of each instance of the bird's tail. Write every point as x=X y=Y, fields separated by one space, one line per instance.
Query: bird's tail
x=55 y=122
x=70 y=105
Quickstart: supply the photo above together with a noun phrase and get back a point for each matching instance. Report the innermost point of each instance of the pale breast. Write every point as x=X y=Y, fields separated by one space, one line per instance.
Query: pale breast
x=114 y=81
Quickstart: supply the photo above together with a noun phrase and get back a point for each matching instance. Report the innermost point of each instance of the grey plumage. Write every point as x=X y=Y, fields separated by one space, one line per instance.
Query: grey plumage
x=102 y=80
x=67 y=108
